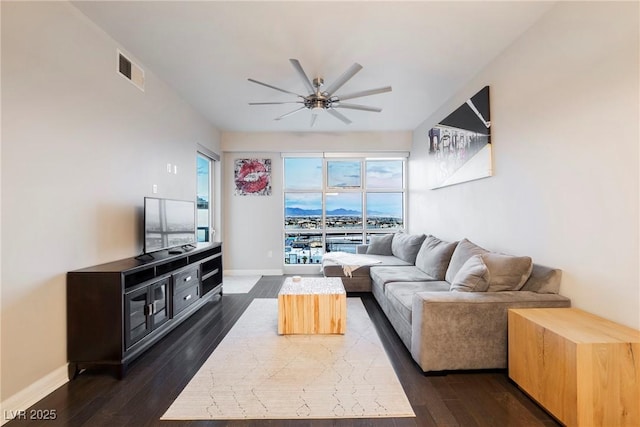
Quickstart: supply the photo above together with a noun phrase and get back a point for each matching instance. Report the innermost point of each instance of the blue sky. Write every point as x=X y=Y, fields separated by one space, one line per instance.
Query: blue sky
x=384 y=174
x=303 y=200
x=203 y=178
x=306 y=173
x=351 y=201
x=385 y=203
x=344 y=174
x=303 y=173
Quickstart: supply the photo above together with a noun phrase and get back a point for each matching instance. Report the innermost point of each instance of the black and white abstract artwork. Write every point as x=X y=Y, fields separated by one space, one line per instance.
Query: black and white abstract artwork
x=460 y=145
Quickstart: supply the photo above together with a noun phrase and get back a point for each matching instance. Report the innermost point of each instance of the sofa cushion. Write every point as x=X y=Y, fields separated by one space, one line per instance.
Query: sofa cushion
x=382 y=275
x=464 y=250
x=543 y=280
x=380 y=245
x=406 y=246
x=492 y=272
x=400 y=295
x=388 y=260
x=434 y=256
x=333 y=269
x=506 y=272
x=473 y=276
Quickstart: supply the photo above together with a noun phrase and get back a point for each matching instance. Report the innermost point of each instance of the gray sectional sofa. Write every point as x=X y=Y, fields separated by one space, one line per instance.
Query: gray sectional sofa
x=448 y=301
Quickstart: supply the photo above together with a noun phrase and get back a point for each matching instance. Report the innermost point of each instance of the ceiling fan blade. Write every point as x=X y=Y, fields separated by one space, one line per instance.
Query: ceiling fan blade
x=358 y=107
x=275 y=103
x=338 y=116
x=273 y=87
x=290 y=113
x=343 y=78
x=365 y=93
x=303 y=75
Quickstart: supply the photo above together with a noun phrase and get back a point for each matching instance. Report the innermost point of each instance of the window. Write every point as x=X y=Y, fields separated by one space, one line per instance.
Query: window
x=303 y=211
x=344 y=174
x=303 y=248
x=303 y=173
x=385 y=210
x=343 y=210
x=336 y=204
x=385 y=174
x=204 y=194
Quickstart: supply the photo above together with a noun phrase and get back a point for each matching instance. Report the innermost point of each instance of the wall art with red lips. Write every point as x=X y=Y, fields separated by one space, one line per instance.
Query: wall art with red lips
x=252 y=177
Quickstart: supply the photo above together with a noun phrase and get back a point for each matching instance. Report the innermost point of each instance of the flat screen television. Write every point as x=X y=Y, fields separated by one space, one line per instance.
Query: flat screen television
x=168 y=224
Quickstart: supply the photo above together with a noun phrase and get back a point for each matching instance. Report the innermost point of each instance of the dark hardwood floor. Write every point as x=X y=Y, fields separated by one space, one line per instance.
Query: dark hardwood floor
x=155 y=379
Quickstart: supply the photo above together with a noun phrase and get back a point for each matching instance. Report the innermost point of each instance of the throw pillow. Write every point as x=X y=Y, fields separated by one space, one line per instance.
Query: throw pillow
x=492 y=272
x=406 y=246
x=506 y=272
x=473 y=276
x=461 y=254
x=434 y=256
x=380 y=245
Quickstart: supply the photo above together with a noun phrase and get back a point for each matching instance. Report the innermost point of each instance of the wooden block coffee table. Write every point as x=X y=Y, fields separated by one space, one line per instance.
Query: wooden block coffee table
x=313 y=305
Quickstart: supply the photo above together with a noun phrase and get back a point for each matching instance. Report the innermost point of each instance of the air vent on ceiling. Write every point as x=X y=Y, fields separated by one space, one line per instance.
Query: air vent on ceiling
x=131 y=71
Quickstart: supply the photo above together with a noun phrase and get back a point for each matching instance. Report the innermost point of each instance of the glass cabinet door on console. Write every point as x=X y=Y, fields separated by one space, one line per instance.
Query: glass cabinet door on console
x=136 y=309
x=159 y=293
x=146 y=308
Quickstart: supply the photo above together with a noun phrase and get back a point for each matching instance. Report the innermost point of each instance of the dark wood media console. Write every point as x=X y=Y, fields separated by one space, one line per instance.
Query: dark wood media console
x=116 y=311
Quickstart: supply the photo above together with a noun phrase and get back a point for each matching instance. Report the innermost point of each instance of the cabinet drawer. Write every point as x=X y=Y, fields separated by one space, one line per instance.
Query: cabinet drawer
x=185 y=279
x=185 y=298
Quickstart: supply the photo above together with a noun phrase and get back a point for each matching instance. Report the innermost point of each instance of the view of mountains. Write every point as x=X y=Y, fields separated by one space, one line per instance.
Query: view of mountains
x=335 y=212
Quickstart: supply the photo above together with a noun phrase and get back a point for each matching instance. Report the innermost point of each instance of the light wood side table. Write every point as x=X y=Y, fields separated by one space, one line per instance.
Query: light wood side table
x=313 y=305
x=583 y=369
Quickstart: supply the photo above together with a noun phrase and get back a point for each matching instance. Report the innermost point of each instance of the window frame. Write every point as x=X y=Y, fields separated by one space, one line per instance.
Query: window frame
x=213 y=159
x=363 y=190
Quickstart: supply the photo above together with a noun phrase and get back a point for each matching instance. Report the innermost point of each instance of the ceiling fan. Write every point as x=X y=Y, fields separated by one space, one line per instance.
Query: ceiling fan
x=324 y=100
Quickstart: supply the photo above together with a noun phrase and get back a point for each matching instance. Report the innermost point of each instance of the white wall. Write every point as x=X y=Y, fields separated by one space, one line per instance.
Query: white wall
x=565 y=114
x=81 y=147
x=253 y=225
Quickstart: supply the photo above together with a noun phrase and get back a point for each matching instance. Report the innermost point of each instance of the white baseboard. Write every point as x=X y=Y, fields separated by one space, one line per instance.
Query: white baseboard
x=15 y=405
x=252 y=272
x=303 y=269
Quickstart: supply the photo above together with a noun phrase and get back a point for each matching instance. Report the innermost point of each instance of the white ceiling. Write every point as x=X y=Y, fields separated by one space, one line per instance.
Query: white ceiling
x=206 y=50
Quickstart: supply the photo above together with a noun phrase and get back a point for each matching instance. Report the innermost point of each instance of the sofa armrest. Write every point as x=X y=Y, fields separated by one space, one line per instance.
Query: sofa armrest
x=467 y=330
x=361 y=249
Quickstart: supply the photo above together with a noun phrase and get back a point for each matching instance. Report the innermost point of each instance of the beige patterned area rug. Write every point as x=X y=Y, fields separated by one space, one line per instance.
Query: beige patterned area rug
x=254 y=373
